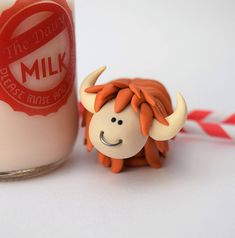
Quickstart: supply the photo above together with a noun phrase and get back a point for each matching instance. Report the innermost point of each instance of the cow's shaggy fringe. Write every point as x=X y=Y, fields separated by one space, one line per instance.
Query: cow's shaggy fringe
x=147 y=97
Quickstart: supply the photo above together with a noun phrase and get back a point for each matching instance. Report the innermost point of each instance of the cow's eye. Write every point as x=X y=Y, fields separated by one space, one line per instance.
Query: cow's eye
x=120 y=122
x=113 y=119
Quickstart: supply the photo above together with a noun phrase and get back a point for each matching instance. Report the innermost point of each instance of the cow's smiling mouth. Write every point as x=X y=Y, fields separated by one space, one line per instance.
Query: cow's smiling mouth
x=105 y=142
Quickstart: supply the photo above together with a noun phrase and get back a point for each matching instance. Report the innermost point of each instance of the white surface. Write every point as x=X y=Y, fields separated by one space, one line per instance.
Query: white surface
x=191 y=196
x=189 y=45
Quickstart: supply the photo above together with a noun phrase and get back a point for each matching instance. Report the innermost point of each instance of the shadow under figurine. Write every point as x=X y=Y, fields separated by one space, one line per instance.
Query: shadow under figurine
x=129 y=121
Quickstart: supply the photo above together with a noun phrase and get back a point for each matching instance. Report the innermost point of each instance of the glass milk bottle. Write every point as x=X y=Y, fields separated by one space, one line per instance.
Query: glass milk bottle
x=38 y=103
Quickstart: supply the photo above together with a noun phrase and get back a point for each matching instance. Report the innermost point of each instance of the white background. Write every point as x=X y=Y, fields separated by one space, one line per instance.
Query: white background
x=186 y=44
x=189 y=46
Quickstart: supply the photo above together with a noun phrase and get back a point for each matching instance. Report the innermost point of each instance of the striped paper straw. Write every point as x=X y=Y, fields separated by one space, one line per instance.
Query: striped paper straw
x=212 y=117
x=210 y=130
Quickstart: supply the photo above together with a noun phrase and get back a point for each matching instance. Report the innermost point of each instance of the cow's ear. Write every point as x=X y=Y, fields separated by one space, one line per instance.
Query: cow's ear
x=176 y=122
x=88 y=99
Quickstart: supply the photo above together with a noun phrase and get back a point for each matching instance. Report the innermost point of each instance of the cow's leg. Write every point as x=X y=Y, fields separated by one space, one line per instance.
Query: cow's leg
x=117 y=165
x=152 y=155
x=104 y=160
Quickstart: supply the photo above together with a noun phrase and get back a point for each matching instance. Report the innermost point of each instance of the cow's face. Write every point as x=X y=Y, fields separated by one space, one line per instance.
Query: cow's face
x=116 y=135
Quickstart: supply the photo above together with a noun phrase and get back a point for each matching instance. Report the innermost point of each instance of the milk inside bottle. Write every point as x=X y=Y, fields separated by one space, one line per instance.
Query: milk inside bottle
x=38 y=103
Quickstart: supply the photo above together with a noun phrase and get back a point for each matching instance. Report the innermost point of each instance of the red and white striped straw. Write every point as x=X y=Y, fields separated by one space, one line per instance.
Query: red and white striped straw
x=208 y=123
x=210 y=130
x=211 y=116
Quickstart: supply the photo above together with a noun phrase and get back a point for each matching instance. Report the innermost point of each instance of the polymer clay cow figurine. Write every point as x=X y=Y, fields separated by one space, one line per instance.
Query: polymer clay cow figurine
x=129 y=121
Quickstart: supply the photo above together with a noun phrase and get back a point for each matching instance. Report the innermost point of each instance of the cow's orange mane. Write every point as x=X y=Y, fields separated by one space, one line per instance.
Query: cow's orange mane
x=148 y=97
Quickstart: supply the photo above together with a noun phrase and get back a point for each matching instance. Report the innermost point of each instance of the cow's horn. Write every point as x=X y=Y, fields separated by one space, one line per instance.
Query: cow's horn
x=88 y=99
x=176 y=121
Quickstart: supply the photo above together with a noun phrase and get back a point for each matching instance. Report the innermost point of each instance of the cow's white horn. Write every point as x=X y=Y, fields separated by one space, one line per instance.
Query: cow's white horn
x=88 y=99
x=176 y=122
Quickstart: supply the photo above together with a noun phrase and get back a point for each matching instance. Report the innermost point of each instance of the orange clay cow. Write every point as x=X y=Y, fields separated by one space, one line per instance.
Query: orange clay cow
x=129 y=121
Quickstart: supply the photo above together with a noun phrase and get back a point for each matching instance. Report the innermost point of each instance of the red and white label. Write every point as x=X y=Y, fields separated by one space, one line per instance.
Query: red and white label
x=37 y=56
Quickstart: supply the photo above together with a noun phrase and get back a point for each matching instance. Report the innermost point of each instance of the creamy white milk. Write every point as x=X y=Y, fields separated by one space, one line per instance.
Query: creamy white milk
x=30 y=141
